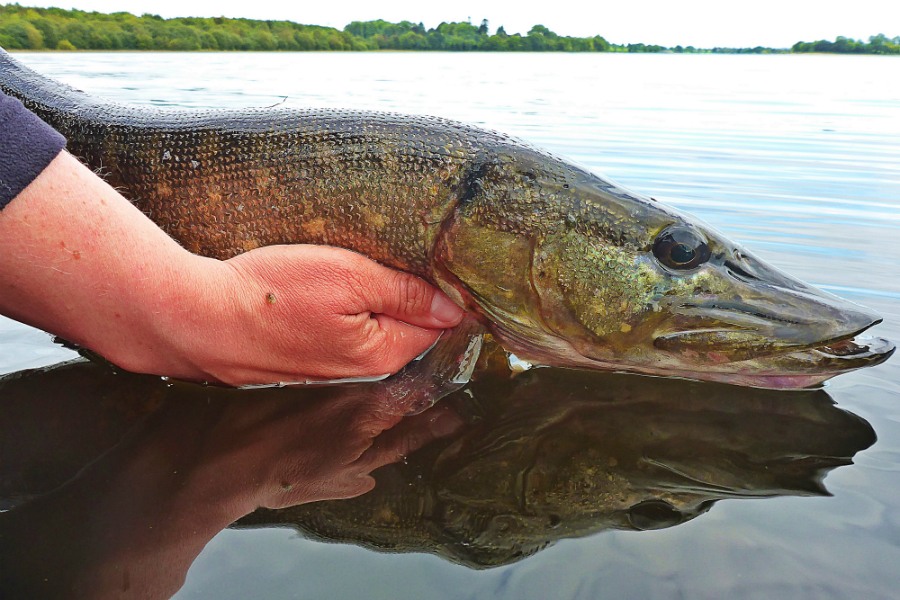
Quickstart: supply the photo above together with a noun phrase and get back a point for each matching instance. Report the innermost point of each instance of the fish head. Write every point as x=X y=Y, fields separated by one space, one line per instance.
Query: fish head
x=569 y=269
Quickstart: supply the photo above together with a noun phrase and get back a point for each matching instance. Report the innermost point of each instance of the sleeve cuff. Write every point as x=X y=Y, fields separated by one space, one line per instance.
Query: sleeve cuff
x=27 y=146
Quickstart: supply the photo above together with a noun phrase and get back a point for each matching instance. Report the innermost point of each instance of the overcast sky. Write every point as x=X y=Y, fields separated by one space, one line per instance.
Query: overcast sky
x=701 y=23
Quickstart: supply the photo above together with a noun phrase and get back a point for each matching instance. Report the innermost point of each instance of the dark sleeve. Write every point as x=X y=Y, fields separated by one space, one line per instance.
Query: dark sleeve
x=27 y=145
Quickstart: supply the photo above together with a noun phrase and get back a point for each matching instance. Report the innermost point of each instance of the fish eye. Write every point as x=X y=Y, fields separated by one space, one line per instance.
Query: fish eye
x=653 y=514
x=681 y=248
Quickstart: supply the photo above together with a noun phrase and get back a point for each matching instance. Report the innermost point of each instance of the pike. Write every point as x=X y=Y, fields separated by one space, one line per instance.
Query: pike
x=565 y=268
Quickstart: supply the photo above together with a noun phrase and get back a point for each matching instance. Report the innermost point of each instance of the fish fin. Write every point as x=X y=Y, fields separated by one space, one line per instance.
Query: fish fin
x=442 y=370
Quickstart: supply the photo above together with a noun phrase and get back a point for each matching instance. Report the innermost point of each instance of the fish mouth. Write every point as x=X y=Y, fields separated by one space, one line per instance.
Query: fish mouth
x=859 y=347
x=798 y=368
x=781 y=335
x=811 y=367
x=794 y=369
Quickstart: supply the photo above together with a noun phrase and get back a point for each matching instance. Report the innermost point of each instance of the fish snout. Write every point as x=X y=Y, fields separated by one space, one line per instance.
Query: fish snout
x=811 y=317
x=755 y=310
x=796 y=310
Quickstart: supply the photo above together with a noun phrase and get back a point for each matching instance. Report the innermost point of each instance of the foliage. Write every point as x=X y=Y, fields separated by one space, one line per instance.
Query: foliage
x=24 y=28
x=53 y=28
x=381 y=35
x=878 y=44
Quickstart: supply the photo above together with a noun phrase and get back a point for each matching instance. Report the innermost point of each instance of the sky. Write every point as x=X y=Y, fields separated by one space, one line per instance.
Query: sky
x=700 y=23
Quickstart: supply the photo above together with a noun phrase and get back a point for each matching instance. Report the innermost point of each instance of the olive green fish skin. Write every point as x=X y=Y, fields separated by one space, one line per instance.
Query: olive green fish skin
x=558 y=262
x=223 y=182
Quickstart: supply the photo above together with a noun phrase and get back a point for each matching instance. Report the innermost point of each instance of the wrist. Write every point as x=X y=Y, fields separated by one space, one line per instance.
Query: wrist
x=141 y=315
x=163 y=319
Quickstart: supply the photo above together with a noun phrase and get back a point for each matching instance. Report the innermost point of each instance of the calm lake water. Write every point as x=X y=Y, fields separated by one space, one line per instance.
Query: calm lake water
x=555 y=484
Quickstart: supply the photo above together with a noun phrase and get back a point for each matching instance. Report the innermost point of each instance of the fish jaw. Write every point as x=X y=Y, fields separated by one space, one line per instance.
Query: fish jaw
x=808 y=368
x=802 y=369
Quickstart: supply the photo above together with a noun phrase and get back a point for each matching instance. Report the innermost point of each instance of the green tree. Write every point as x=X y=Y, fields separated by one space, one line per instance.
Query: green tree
x=411 y=40
x=305 y=40
x=540 y=29
x=181 y=37
x=21 y=35
x=48 y=30
x=263 y=40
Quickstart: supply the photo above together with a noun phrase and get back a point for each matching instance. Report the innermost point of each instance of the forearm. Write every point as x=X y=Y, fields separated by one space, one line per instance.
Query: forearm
x=78 y=259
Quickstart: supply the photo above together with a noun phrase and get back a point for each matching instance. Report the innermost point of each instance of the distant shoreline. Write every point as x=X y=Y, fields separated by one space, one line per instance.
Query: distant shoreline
x=392 y=51
x=55 y=29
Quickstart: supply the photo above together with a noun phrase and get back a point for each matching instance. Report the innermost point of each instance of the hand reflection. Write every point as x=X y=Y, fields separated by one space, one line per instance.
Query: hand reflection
x=133 y=521
x=281 y=451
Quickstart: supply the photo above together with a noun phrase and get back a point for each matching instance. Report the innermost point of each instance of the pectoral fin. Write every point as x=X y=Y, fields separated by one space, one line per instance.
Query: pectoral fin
x=445 y=368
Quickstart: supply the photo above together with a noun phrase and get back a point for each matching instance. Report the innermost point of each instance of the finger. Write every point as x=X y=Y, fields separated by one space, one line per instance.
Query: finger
x=402 y=342
x=407 y=298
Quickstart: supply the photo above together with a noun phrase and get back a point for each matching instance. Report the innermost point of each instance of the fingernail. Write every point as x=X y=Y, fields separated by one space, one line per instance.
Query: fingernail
x=443 y=309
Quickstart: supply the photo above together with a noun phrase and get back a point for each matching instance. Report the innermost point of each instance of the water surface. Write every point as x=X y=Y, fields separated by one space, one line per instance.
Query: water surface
x=639 y=488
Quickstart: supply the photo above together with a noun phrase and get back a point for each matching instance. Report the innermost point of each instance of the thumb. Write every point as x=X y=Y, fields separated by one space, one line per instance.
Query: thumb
x=407 y=298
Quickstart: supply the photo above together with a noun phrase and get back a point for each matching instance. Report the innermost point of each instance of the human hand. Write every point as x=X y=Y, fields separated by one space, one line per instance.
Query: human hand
x=298 y=313
x=315 y=312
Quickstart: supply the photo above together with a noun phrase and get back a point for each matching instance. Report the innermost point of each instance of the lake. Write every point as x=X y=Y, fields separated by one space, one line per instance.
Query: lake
x=553 y=484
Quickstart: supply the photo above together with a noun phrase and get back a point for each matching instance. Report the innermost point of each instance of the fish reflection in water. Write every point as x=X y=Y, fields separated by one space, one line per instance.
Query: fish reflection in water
x=491 y=474
x=555 y=454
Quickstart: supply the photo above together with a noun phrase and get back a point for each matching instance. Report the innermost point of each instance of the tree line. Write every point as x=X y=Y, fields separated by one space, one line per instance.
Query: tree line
x=24 y=28
x=877 y=44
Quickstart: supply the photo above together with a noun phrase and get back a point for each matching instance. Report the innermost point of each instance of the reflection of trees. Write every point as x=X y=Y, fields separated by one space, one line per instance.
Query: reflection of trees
x=556 y=454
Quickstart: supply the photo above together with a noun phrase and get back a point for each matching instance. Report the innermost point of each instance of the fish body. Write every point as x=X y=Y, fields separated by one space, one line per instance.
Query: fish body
x=566 y=268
